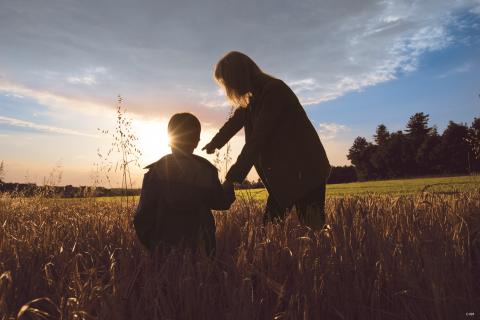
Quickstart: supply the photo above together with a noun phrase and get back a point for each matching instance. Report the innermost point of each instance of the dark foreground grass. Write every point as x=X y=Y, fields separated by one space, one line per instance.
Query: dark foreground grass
x=383 y=257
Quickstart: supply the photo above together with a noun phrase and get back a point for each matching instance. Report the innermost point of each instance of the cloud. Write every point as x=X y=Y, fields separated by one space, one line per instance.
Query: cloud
x=329 y=130
x=476 y=9
x=13 y=95
x=157 y=51
x=88 y=77
x=53 y=100
x=465 y=67
x=304 y=85
x=88 y=80
x=40 y=127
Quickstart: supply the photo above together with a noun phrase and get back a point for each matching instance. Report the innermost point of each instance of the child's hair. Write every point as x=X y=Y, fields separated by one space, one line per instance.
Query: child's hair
x=184 y=130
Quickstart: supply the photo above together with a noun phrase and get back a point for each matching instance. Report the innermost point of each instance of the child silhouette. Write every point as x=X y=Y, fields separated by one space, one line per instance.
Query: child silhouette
x=178 y=193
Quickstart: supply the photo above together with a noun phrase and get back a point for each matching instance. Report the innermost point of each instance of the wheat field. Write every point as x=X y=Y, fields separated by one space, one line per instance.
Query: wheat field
x=382 y=257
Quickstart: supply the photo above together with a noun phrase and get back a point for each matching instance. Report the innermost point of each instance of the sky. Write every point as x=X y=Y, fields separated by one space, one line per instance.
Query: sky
x=353 y=65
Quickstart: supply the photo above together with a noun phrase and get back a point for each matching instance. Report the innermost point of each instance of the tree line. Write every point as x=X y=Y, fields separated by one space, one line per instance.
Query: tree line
x=68 y=191
x=419 y=150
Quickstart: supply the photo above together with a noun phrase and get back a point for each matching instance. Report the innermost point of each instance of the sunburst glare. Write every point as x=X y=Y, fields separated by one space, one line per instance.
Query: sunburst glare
x=153 y=140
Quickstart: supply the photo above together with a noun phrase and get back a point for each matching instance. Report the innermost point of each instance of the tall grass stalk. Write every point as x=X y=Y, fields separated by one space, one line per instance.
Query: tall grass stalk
x=124 y=144
x=382 y=257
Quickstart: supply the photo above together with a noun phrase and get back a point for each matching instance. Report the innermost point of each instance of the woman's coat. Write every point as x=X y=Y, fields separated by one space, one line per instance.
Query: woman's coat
x=280 y=141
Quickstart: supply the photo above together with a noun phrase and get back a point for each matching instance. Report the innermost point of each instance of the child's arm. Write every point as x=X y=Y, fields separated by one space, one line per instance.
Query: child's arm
x=145 y=217
x=222 y=196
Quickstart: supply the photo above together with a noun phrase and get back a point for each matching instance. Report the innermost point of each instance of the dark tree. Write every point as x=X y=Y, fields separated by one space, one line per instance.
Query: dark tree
x=381 y=135
x=474 y=138
x=417 y=132
x=360 y=154
x=417 y=126
x=342 y=174
x=379 y=157
x=428 y=157
x=421 y=150
x=397 y=155
x=474 y=142
x=454 y=148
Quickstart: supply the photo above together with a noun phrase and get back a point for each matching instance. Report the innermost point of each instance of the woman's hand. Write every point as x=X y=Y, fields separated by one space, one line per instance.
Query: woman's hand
x=209 y=148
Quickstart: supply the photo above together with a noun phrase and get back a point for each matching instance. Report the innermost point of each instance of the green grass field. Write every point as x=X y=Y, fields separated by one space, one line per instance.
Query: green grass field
x=440 y=185
x=445 y=185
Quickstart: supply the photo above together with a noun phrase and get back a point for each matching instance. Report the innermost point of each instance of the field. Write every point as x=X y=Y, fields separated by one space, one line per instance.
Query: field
x=444 y=185
x=392 y=254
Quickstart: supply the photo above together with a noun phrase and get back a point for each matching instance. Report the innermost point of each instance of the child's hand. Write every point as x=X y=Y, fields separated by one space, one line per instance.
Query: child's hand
x=229 y=190
x=227 y=185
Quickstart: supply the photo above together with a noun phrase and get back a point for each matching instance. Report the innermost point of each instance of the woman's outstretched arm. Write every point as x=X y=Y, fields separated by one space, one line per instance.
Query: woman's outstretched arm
x=274 y=101
x=229 y=129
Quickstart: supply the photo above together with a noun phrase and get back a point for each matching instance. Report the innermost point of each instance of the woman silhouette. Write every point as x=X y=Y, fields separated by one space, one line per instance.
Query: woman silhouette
x=280 y=140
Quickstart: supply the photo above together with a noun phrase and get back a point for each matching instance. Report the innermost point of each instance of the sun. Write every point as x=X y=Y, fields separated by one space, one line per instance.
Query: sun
x=153 y=140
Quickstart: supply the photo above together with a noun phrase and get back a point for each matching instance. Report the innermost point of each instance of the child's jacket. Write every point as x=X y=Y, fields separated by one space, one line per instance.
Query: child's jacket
x=178 y=193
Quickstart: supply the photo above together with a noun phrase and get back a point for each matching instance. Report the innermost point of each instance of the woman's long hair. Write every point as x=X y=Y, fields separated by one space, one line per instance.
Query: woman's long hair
x=235 y=72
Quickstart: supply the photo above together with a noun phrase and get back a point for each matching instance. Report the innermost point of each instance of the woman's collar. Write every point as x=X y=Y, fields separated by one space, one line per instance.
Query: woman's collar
x=258 y=85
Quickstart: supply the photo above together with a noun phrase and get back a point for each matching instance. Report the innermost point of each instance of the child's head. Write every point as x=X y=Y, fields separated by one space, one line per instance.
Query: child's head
x=184 y=131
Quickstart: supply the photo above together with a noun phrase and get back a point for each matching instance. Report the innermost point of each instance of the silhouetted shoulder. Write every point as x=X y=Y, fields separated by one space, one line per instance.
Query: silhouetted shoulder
x=190 y=169
x=206 y=163
x=277 y=90
x=277 y=93
x=275 y=84
x=158 y=163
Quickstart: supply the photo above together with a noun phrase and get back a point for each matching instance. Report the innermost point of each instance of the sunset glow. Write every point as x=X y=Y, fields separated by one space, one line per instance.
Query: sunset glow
x=353 y=65
x=153 y=140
